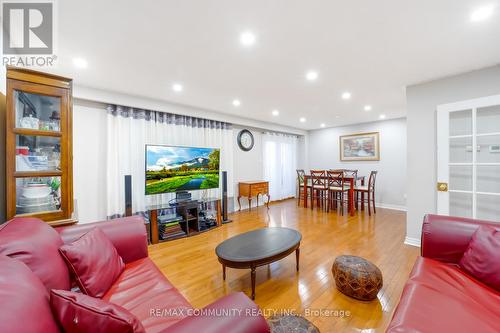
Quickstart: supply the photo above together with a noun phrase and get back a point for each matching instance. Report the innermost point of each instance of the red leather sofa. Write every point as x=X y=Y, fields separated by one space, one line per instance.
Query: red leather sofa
x=439 y=296
x=141 y=289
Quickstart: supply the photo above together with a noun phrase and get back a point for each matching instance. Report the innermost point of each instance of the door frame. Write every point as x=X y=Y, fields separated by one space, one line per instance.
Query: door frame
x=443 y=137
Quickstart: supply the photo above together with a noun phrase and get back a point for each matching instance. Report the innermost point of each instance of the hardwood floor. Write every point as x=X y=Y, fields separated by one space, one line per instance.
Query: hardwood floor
x=192 y=266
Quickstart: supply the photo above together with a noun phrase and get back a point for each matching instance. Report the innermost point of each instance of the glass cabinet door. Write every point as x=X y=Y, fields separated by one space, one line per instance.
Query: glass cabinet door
x=38 y=146
x=37 y=112
x=38 y=195
x=38 y=153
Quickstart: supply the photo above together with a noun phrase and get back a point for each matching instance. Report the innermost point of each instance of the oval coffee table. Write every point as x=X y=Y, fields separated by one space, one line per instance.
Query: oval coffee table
x=257 y=248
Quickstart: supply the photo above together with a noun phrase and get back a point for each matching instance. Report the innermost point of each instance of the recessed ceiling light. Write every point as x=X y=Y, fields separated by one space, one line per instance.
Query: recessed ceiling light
x=382 y=116
x=346 y=95
x=482 y=13
x=247 y=38
x=275 y=113
x=177 y=87
x=236 y=102
x=302 y=120
x=368 y=108
x=337 y=117
x=80 y=62
x=322 y=125
x=311 y=75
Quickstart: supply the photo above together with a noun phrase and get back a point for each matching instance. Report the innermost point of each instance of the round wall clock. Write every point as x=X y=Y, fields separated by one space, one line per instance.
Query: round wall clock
x=245 y=140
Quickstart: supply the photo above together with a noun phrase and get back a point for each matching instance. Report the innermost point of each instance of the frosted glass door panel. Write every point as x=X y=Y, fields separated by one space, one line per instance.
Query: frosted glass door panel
x=461 y=204
x=461 y=150
x=488 y=178
x=488 y=120
x=460 y=178
x=461 y=123
x=489 y=151
x=488 y=207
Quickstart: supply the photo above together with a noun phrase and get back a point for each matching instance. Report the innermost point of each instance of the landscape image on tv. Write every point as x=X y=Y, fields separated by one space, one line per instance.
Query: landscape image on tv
x=172 y=168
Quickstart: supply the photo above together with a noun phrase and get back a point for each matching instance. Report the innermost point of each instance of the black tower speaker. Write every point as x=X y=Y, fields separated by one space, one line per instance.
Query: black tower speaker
x=224 y=198
x=128 y=195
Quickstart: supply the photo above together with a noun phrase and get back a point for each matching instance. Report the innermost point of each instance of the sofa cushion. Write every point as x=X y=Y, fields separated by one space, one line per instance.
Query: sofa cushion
x=80 y=313
x=439 y=297
x=24 y=299
x=144 y=291
x=482 y=257
x=36 y=244
x=94 y=262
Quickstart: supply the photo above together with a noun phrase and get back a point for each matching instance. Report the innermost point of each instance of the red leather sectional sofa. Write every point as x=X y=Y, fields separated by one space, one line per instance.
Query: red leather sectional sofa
x=440 y=297
x=141 y=289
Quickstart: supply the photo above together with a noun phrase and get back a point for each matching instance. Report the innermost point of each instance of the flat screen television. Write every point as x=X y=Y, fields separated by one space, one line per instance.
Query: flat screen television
x=176 y=168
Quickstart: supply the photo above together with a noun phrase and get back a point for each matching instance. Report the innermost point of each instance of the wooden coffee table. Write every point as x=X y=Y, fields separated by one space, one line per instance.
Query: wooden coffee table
x=257 y=248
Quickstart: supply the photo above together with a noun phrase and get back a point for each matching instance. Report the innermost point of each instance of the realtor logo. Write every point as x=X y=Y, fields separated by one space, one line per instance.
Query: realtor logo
x=28 y=28
x=28 y=33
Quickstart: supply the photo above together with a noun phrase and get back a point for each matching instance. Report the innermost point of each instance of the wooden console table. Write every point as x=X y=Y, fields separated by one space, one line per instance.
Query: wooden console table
x=253 y=189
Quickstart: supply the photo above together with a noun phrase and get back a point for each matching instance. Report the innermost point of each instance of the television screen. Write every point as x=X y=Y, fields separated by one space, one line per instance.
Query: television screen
x=174 y=168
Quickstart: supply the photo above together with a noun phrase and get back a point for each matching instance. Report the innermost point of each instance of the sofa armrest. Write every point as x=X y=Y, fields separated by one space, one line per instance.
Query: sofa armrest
x=445 y=238
x=128 y=235
x=235 y=313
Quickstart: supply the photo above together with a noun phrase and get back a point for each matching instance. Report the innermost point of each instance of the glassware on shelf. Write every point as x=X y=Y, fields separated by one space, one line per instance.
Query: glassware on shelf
x=37 y=112
x=37 y=153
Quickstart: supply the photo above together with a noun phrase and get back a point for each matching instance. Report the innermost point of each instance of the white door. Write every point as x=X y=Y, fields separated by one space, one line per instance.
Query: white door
x=468 y=155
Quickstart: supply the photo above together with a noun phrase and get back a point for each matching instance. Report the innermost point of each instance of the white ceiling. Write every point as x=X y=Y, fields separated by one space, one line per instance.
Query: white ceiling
x=371 y=48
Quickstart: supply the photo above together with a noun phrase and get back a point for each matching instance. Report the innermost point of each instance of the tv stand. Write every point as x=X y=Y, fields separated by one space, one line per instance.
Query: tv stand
x=185 y=218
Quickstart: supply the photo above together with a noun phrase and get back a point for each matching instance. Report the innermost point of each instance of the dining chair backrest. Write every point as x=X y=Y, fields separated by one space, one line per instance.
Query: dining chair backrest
x=351 y=174
x=335 y=178
x=371 y=181
x=300 y=176
x=318 y=178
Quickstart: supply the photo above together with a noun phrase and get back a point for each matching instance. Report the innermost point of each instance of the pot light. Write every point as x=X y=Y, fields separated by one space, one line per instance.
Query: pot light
x=346 y=95
x=80 y=62
x=382 y=116
x=177 y=87
x=322 y=125
x=482 y=13
x=302 y=120
x=367 y=108
x=236 y=102
x=311 y=75
x=275 y=113
x=247 y=38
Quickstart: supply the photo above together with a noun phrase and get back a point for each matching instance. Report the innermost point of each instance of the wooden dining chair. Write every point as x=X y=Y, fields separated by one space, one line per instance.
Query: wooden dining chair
x=337 y=189
x=354 y=174
x=300 y=183
x=319 y=188
x=369 y=190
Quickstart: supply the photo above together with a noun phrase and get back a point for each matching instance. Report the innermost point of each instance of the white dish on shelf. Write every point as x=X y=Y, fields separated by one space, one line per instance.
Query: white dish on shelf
x=36 y=191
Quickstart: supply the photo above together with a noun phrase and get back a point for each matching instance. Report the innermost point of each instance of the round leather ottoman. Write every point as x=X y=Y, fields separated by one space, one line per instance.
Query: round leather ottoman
x=357 y=277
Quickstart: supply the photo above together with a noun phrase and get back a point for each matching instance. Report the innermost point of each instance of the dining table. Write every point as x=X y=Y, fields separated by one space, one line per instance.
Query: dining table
x=352 y=182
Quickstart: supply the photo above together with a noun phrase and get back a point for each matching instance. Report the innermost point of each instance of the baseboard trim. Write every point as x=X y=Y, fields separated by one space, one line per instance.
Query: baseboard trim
x=412 y=241
x=389 y=206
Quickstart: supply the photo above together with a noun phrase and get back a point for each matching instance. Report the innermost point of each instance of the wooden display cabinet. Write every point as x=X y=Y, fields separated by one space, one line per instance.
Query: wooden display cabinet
x=39 y=146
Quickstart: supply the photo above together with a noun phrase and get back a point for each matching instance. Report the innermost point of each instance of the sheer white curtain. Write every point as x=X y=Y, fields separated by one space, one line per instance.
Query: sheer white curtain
x=280 y=164
x=128 y=132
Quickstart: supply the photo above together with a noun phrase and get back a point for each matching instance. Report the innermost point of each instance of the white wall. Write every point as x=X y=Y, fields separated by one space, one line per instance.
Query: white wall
x=422 y=100
x=323 y=151
x=89 y=160
x=247 y=164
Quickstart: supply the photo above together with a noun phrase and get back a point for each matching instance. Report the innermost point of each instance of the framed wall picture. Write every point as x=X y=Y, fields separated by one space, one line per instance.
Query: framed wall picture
x=360 y=147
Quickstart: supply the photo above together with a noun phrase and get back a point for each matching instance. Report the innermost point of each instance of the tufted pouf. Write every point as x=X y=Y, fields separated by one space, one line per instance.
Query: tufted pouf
x=291 y=324
x=357 y=277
